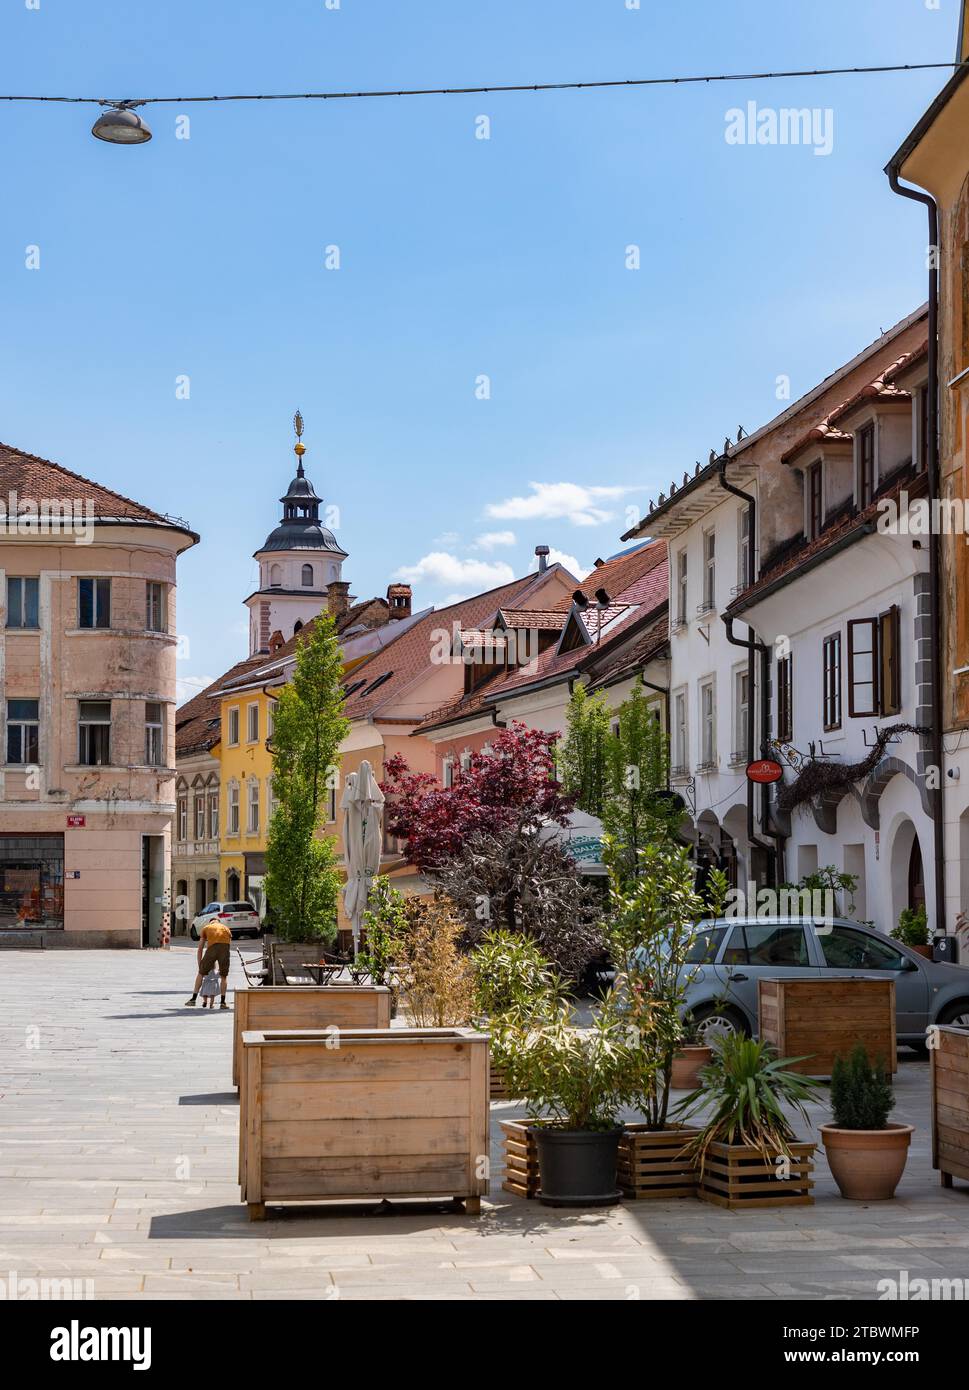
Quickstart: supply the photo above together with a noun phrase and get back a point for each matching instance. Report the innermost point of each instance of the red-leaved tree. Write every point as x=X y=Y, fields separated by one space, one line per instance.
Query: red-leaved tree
x=510 y=786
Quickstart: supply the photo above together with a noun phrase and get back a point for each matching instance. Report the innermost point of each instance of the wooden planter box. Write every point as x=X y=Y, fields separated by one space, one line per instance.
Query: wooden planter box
x=270 y=1007
x=950 y=1104
x=738 y=1177
x=820 y=1019
x=650 y=1161
x=395 y=1113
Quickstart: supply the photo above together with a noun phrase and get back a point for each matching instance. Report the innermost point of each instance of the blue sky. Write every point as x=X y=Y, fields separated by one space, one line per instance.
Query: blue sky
x=459 y=258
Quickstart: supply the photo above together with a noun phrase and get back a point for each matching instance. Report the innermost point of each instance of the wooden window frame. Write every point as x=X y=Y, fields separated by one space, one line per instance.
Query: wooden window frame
x=815 y=501
x=889 y=664
x=831 y=687
x=866 y=468
x=785 y=698
x=854 y=712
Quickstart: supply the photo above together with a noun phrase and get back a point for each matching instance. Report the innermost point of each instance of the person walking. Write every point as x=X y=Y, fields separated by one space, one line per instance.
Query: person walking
x=213 y=951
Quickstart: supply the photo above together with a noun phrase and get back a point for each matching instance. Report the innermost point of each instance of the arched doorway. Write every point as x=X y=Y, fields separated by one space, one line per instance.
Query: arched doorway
x=232 y=886
x=916 y=877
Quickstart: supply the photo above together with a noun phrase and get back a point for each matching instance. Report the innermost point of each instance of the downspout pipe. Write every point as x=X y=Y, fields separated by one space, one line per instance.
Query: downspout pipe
x=753 y=645
x=935 y=583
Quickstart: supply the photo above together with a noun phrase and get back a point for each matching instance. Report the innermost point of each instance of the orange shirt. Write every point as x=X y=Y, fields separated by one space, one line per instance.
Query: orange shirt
x=216 y=934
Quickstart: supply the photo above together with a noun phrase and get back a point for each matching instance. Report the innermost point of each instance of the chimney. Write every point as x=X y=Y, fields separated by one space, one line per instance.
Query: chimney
x=337 y=598
x=399 y=598
x=542 y=552
x=275 y=642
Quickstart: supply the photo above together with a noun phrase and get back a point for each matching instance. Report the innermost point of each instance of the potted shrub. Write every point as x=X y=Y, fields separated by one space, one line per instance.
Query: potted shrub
x=865 y=1153
x=574 y=1079
x=510 y=974
x=747 y=1151
x=913 y=930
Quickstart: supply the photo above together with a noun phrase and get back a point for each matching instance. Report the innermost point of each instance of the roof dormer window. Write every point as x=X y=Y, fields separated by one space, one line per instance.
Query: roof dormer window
x=865 y=455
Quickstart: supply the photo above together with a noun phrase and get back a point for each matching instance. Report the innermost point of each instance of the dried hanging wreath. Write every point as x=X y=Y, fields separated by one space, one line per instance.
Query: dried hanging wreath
x=818 y=778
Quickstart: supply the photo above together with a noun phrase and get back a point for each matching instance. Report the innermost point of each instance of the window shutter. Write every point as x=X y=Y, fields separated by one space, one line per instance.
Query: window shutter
x=862 y=668
x=889 y=633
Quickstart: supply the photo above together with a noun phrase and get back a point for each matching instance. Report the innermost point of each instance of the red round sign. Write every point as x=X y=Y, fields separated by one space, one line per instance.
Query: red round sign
x=764 y=770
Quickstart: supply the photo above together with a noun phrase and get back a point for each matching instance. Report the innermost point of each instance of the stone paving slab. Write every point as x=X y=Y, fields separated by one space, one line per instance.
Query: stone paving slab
x=118 y=1149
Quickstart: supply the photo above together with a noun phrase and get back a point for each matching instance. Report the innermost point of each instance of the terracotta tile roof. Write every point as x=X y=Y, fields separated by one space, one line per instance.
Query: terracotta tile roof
x=854 y=525
x=883 y=388
x=197 y=722
x=619 y=620
x=620 y=575
x=410 y=655
x=37 y=479
x=270 y=662
x=542 y=619
x=908 y=359
x=649 y=644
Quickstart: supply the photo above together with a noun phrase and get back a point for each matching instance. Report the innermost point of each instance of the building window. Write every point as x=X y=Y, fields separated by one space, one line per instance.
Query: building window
x=232 y=822
x=681 y=736
x=93 y=602
x=448 y=772
x=866 y=465
x=252 y=817
x=785 y=699
x=331 y=806
x=890 y=673
x=32 y=874
x=874 y=665
x=23 y=605
x=681 y=587
x=741 y=702
x=183 y=818
x=214 y=816
x=308 y=576
x=154 y=734
x=708 y=725
x=275 y=576
x=466 y=761
x=270 y=799
x=744 y=551
x=252 y=723
x=270 y=718
x=199 y=816
x=709 y=570
x=155 y=607
x=831 y=677
x=233 y=729
x=94 y=732
x=815 y=503
x=23 y=731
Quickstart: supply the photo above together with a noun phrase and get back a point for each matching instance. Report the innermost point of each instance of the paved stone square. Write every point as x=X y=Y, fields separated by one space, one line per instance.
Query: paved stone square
x=118 y=1133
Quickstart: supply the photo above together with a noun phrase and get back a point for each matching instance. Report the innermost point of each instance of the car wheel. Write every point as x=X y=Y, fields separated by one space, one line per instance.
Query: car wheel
x=956 y=1014
x=193 y=933
x=717 y=1021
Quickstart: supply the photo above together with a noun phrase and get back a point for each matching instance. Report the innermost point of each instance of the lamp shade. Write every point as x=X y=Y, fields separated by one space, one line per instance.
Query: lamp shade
x=120 y=127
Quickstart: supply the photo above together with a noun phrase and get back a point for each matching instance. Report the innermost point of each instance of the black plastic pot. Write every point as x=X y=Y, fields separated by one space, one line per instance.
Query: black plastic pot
x=577 y=1167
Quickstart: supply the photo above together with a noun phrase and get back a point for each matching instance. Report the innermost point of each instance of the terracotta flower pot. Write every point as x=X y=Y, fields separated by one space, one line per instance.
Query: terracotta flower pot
x=687 y=1062
x=925 y=951
x=867 y=1163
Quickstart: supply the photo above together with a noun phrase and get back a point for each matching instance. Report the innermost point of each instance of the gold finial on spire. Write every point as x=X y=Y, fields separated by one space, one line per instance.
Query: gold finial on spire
x=299 y=448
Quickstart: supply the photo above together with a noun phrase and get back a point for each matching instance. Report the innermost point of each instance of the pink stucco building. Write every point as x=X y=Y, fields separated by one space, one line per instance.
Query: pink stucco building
x=87 y=714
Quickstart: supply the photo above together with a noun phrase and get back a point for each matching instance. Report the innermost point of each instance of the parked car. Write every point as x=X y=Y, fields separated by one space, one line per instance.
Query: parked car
x=730 y=955
x=242 y=919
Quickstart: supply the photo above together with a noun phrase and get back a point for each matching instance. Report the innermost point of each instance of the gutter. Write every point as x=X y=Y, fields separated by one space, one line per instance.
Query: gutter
x=867 y=528
x=937 y=793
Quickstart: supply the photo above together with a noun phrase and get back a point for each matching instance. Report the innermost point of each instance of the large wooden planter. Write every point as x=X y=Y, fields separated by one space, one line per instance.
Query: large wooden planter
x=396 y=1113
x=950 y=1104
x=269 y=1007
x=651 y=1162
x=820 y=1019
x=739 y=1177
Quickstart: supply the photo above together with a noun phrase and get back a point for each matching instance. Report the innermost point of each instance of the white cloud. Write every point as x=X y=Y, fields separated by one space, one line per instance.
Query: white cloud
x=441 y=567
x=490 y=540
x=552 y=501
x=188 y=686
x=559 y=557
x=446 y=538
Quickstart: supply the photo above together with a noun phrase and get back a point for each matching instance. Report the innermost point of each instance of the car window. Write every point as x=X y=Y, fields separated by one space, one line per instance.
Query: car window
x=736 y=952
x=846 y=949
x=705 y=945
x=239 y=907
x=212 y=907
x=770 y=943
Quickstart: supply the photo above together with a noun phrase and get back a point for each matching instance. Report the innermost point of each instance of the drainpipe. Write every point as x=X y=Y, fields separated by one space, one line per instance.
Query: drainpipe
x=753 y=645
x=937 y=794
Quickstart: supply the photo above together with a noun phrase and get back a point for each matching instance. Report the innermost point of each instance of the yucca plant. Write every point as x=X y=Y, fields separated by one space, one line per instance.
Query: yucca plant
x=748 y=1085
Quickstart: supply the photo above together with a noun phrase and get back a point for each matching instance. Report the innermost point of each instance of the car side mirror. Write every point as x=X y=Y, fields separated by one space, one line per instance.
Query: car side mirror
x=908 y=965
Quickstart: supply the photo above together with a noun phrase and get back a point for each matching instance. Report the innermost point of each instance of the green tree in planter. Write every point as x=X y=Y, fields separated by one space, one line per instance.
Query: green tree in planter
x=582 y=758
x=302 y=882
x=511 y=974
x=861 y=1093
x=384 y=927
x=654 y=940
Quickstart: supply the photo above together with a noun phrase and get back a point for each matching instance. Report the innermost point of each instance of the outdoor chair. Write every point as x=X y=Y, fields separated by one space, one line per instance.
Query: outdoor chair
x=255 y=973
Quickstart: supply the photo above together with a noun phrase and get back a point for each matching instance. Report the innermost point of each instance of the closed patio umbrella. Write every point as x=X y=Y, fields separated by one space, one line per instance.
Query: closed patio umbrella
x=362 y=805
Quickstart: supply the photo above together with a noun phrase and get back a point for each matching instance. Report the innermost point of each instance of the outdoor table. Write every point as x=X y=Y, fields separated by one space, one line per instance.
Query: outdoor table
x=322 y=971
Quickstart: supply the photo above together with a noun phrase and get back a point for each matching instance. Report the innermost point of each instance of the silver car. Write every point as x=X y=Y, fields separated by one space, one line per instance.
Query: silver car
x=242 y=919
x=730 y=955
